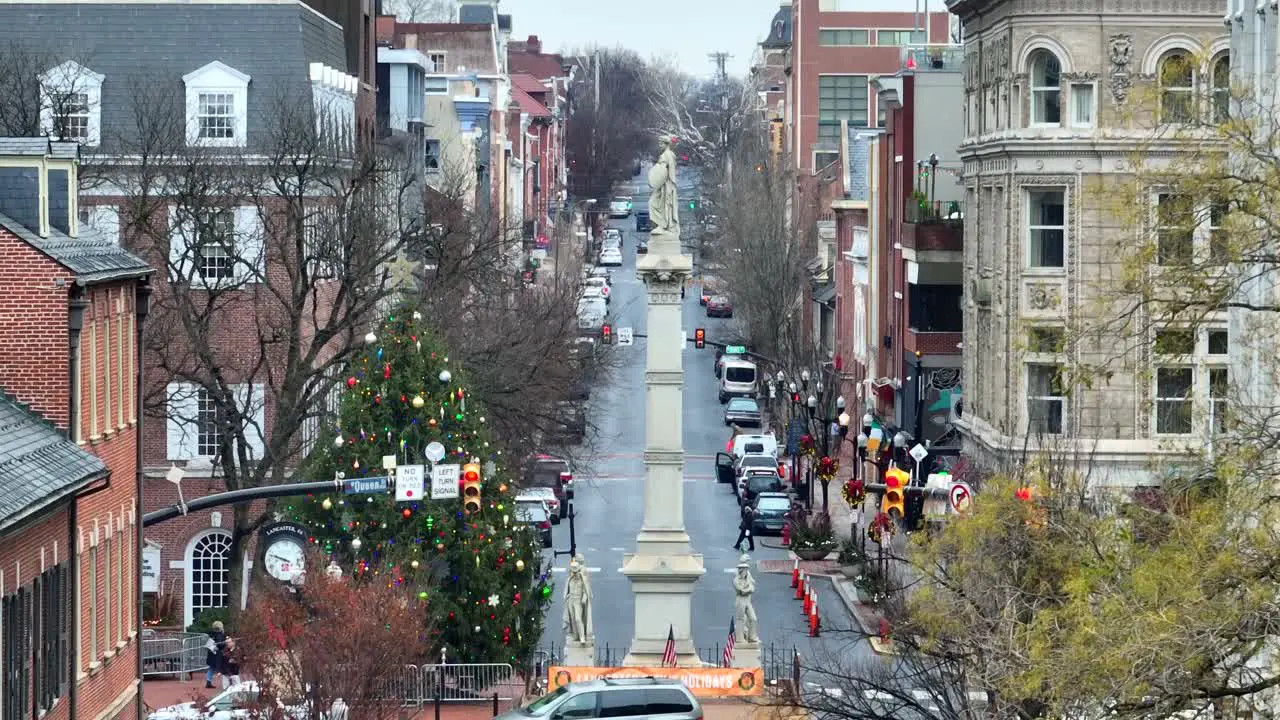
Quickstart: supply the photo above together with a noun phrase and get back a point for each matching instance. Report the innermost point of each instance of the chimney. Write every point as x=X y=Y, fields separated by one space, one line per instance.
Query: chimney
x=533 y=45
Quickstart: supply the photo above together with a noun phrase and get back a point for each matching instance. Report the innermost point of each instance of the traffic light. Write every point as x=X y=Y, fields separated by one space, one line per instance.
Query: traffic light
x=471 y=487
x=606 y=334
x=699 y=338
x=893 y=503
x=693 y=204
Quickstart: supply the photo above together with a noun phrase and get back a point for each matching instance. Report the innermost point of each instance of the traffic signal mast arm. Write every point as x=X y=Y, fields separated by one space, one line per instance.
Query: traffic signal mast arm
x=721 y=345
x=881 y=488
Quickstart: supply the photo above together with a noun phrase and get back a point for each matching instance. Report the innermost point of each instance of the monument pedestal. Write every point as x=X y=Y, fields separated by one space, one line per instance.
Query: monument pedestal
x=746 y=655
x=579 y=654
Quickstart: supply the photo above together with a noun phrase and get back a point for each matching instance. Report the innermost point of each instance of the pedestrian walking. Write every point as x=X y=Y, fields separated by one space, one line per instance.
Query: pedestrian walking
x=213 y=652
x=230 y=664
x=744 y=529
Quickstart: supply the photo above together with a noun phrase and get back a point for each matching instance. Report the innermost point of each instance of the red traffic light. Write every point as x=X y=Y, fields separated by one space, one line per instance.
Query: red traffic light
x=606 y=334
x=699 y=338
x=471 y=476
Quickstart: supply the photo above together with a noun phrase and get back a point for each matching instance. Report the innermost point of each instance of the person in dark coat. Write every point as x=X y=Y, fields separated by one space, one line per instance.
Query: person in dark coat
x=744 y=528
x=213 y=652
x=231 y=663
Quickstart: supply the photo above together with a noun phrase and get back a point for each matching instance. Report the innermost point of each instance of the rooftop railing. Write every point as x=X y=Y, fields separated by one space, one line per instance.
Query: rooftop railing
x=933 y=58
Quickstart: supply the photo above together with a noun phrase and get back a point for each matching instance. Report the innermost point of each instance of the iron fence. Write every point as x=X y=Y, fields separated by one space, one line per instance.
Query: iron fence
x=778 y=661
x=173 y=653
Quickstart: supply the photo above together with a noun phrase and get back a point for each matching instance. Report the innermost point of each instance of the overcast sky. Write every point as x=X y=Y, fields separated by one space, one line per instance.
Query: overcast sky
x=683 y=30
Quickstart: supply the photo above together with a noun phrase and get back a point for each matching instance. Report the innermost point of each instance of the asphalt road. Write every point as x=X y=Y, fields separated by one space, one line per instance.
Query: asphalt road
x=609 y=497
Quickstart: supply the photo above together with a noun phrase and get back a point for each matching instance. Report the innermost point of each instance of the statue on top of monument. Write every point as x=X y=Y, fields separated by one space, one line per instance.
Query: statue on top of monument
x=664 y=201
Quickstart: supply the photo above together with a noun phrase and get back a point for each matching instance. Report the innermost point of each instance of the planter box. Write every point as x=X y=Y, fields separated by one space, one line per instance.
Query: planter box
x=811 y=553
x=851 y=571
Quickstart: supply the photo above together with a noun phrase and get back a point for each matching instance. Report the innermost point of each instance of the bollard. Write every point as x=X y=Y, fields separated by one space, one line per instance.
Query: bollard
x=808 y=602
x=795 y=573
x=800 y=586
x=495 y=705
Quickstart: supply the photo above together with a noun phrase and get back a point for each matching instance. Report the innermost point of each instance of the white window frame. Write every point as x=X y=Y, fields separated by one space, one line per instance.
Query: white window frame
x=1219 y=89
x=1039 y=93
x=1078 y=103
x=1159 y=401
x=183 y=418
x=1204 y=406
x=439 y=62
x=217 y=78
x=914 y=37
x=1218 y=404
x=437 y=88
x=185 y=248
x=1190 y=91
x=1029 y=193
x=71 y=77
x=1035 y=362
x=852 y=120
x=1204 y=218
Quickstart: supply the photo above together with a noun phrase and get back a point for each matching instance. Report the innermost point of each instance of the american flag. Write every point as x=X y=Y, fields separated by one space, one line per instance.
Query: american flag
x=729 y=644
x=669 y=653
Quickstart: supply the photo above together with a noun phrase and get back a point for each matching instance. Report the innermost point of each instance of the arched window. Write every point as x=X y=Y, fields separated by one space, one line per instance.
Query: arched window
x=1221 y=80
x=1177 y=79
x=207 y=564
x=1046 y=88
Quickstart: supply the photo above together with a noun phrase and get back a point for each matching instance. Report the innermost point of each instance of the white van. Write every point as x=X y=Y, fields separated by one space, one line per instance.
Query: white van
x=739 y=379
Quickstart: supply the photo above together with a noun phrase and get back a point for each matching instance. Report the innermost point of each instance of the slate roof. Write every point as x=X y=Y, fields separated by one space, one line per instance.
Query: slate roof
x=39 y=466
x=529 y=84
x=155 y=44
x=540 y=65
x=779 y=29
x=91 y=257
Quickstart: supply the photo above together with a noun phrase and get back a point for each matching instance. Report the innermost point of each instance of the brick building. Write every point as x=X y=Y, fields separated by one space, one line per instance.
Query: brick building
x=555 y=79
x=70 y=322
x=225 y=89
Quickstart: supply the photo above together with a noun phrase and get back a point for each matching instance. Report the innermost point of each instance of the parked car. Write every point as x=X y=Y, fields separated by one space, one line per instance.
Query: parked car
x=742 y=411
x=620 y=207
x=546 y=495
x=754 y=444
x=739 y=379
x=748 y=464
x=535 y=513
x=592 y=314
x=615 y=698
x=642 y=247
x=771 y=513
x=601 y=272
x=239 y=703
x=611 y=234
x=611 y=257
x=643 y=223
x=553 y=472
x=571 y=424
x=711 y=285
x=718 y=306
x=760 y=481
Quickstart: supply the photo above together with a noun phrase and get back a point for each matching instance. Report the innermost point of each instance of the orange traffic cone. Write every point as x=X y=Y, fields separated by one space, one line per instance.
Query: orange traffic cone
x=800 y=586
x=808 y=601
x=815 y=620
x=795 y=573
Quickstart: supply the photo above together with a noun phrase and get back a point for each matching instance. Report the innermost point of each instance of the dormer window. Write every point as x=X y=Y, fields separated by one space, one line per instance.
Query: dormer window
x=217 y=106
x=71 y=104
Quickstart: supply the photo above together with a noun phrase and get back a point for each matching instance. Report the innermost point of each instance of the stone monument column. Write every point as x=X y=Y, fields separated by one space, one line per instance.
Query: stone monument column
x=664 y=568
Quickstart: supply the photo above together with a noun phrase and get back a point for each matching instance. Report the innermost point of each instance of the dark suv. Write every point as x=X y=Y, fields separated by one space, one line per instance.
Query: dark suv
x=613 y=698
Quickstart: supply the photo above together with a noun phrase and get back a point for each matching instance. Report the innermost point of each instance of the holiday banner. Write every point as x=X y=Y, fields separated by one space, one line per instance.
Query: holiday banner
x=706 y=682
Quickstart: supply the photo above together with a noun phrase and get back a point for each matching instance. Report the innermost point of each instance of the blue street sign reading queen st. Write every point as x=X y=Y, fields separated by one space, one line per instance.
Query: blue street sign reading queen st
x=364 y=486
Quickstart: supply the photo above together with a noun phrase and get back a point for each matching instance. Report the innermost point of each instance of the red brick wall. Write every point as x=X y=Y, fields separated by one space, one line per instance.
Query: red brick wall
x=933 y=236
x=932 y=343
x=810 y=59
x=33 y=310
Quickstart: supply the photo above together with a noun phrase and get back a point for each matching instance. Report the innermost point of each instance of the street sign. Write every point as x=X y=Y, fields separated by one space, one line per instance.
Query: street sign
x=795 y=431
x=735 y=349
x=410 y=482
x=365 y=486
x=625 y=336
x=444 y=481
x=961 y=497
x=918 y=453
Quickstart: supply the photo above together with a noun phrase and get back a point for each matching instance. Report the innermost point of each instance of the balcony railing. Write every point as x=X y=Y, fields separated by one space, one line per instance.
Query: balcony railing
x=934 y=212
x=933 y=58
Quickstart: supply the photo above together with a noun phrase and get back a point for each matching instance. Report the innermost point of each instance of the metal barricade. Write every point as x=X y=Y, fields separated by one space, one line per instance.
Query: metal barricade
x=470 y=682
x=173 y=653
x=404 y=684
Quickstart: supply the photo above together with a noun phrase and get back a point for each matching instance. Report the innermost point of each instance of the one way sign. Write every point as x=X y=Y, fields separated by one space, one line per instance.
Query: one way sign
x=625 y=336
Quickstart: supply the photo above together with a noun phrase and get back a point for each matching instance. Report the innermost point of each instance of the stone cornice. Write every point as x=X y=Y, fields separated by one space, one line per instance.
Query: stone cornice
x=1081 y=144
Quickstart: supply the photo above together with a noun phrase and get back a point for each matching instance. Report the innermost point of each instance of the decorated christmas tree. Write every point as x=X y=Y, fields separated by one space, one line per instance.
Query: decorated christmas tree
x=477 y=569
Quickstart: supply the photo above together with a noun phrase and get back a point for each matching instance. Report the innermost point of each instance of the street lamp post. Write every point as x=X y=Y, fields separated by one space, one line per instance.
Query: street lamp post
x=826 y=422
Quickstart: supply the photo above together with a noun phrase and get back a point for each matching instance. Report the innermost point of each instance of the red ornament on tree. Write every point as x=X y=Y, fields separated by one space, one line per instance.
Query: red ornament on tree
x=407 y=513
x=351 y=382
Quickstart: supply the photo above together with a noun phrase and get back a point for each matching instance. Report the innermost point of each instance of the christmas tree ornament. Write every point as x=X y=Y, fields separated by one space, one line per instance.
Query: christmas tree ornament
x=355 y=543
x=370 y=338
x=414 y=564
x=407 y=513
x=339 y=442
x=351 y=382
x=418 y=402
x=494 y=600
x=327 y=504
x=520 y=567
x=445 y=376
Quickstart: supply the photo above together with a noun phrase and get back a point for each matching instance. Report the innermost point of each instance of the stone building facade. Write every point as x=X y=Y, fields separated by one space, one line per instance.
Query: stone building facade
x=1057 y=103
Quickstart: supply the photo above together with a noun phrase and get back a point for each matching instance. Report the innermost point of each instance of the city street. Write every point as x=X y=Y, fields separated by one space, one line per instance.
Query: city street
x=610 y=491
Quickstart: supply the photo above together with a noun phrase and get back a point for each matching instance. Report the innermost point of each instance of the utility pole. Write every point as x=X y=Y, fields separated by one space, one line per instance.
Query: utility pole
x=722 y=89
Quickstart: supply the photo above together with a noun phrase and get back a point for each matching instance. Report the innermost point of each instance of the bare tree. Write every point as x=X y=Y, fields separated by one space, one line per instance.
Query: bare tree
x=710 y=117
x=430 y=11
x=609 y=129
